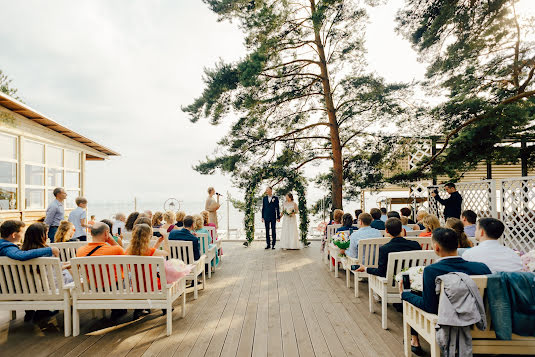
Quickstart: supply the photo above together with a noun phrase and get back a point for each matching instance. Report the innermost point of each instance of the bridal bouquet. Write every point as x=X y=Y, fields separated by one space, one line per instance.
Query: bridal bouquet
x=288 y=212
x=341 y=240
x=416 y=276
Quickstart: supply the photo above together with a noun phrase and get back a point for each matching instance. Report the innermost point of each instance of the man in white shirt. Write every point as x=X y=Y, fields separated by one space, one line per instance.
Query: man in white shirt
x=490 y=251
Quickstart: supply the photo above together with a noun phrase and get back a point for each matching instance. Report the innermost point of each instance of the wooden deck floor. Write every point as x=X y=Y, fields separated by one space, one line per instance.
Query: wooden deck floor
x=260 y=303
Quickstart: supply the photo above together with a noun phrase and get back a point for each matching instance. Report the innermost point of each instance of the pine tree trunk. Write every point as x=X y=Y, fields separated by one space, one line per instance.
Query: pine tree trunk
x=331 y=112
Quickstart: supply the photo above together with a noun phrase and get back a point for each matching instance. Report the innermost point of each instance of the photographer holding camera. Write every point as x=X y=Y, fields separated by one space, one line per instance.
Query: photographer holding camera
x=452 y=204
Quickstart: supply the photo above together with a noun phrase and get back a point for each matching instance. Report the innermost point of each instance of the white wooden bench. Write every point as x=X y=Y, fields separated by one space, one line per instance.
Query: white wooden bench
x=218 y=242
x=387 y=288
x=483 y=342
x=67 y=250
x=413 y=233
x=210 y=252
x=35 y=284
x=123 y=282
x=331 y=230
x=183 y=250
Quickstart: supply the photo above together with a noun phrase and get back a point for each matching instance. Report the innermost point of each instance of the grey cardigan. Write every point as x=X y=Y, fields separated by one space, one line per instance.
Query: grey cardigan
x=460 y=307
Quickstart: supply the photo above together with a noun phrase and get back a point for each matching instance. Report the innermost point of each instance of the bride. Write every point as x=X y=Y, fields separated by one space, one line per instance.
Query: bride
x=289 y=233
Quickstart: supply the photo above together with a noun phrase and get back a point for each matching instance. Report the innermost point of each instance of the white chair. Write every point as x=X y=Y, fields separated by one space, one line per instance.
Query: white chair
x=123 y=282
x=35 y=284
x=210 y=252
x=67 y=250
x=183 y=250
x=368 y=255
x=331 y=230
x=387 y=288
x=215 y=240
x=413 y=233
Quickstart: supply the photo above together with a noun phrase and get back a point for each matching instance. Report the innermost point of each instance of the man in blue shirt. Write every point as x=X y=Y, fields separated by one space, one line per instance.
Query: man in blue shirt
x=384 y=217
x=445 y=243
x=186 y=235
x=78 y=217
x=469 y=219
x=364 y=232
x=377 y=223
x=11 y=233
x=55 y=213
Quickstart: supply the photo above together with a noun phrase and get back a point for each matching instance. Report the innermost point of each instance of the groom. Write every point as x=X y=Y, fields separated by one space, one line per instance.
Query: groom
x=270 y=215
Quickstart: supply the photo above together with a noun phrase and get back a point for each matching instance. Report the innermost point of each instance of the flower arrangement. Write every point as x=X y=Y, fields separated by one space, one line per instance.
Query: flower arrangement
x=416 y=276
x=528 y=261
x=341 y=240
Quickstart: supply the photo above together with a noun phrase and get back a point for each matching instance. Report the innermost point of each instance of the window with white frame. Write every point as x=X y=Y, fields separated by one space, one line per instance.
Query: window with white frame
x=34 y=172
x=8 y=172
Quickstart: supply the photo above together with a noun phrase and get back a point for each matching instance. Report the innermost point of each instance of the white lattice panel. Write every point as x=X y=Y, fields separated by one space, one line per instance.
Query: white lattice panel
x=478 y=196
x=422 y=148
x=518 y=212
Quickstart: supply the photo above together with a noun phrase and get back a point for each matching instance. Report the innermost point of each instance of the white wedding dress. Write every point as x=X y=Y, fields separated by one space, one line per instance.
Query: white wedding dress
x=289 y=234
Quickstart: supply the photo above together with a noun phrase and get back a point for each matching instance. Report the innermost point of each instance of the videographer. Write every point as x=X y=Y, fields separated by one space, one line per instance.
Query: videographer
x=452 y=204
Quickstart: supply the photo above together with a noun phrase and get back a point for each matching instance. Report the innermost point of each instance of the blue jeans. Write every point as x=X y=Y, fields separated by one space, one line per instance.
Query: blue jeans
x=52 y=232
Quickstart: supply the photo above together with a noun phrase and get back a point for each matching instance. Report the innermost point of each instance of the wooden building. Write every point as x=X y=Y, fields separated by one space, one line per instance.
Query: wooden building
x=36 y=156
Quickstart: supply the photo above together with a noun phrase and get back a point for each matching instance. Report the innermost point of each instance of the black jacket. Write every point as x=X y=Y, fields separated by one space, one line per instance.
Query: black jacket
x=270 y=210
x=397 y=244
x=186 y=235
x=452 y=205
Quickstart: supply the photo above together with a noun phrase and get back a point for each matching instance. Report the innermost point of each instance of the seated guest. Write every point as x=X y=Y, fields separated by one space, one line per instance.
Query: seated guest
x=357 y=214
x=180 y=219
x=405 y=223
x=198 y=226
x=92 y=220
x=129 y=225
x=393 y=214
x=338 y=214
x=407 y=212
x=119 y=224
x=157 y=219
x=458 y=227
x=420 y=217
x=469 y=219
x=11 y=233
x=65 y=233
x=140 y=245
x=490 y=251
x=430 y=223
x=148 y=214
x=397 y=243
x=445 y=242
x=205 y=216
x=364 y=232
x=377 y=223
x=186 y=234
x=102 y=244
x=384 y=217
x=347 y=223
x=170 y=220
x=143 y=220
x=116 y=237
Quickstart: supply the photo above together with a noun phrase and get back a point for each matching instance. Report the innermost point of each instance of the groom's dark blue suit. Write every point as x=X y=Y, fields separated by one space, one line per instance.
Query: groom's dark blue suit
x=270 y=215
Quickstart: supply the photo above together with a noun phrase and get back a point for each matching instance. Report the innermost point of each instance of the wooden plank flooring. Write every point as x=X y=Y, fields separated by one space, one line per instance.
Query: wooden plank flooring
x=259 y=303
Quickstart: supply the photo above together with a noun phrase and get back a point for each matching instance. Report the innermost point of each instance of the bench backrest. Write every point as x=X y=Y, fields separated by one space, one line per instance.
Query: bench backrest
x=368 y=251
x=413 y=233
x=331 y=230
x=397 y=262
x=119 y=277
x=67 y=250
x=34 y=279
x=182 y=250
x=425 y=242
x=212 y=232
x=204 y=241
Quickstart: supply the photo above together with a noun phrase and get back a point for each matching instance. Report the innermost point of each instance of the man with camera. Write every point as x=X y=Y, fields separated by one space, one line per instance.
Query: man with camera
x=452 y=204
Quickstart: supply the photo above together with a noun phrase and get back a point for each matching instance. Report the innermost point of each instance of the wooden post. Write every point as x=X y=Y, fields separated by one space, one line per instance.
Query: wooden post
x=523 y=156
x=433 y=152
x=489 y=169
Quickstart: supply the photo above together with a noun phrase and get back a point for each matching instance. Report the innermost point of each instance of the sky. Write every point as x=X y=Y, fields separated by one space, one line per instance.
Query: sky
x=118 y=72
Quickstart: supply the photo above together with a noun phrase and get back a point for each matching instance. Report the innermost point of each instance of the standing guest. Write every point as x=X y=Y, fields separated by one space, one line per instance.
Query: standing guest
x=140 y=245
x=430 y=223
x=92 y=220
x=397 y=243
x=103 y=244
x=458 y=227
x=186 y=234
x=157 y=219
x=170 y=219
x=119 y=224
x=490 y=251
x=377 y=223
x=347 y=223
x=384 y=217
x=357 y=214
x=452 y=204
x=407 y=212
x=55 y=213
x=11 y=234
x=180 y=219
x=212 y=205
x=469 y=219
x=364 y=232
x=445 y=244
x=65 y=233
x=78 y=217
x=419 y=218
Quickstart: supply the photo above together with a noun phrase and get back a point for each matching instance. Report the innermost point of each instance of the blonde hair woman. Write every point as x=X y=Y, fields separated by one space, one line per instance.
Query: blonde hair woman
x=337 y=216
x=170 y=219
x=157 y=219
x=198 y=226
x=65 y=232
x=180 y=215
x=212 y=206
x=419 y=218
x=430 y=223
